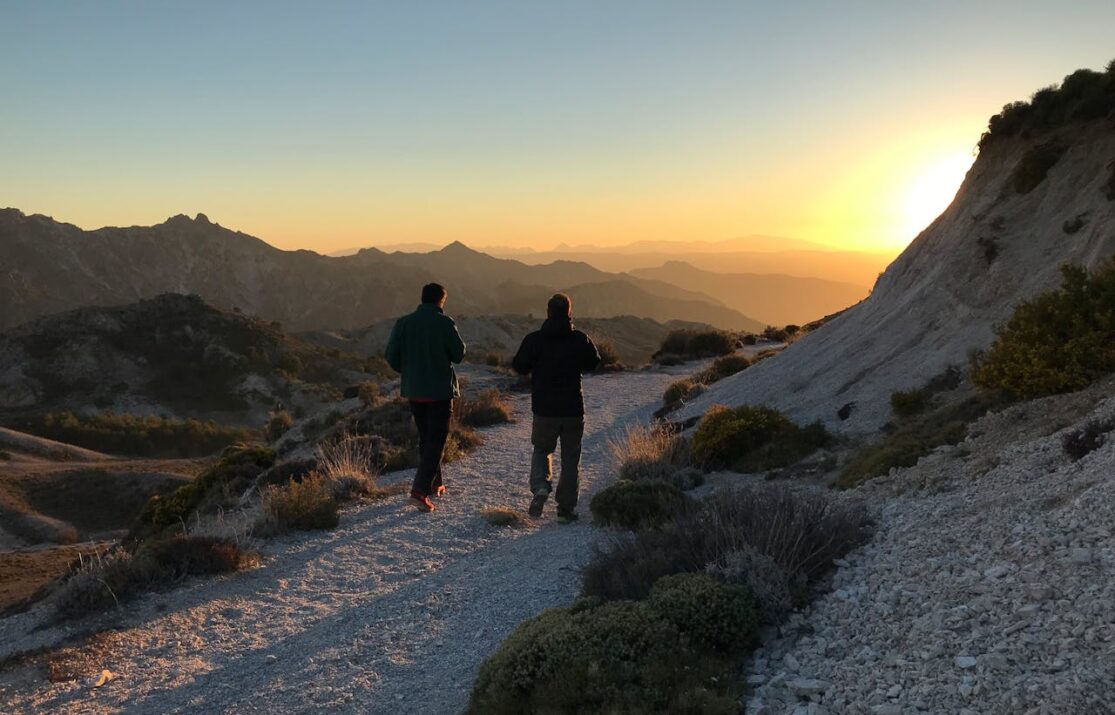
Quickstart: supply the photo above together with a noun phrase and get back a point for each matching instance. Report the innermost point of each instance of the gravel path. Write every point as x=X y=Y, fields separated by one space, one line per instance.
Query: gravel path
x=989 y=586
x=391 y=612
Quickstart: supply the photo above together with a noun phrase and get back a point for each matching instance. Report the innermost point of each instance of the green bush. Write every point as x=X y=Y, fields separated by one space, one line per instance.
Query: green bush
x=236 y=470
x=637 y=505
x=711 y=615
x=135 y=435
x=618 y=657
x=908 y=402
x=677 y=393
x=1034 y=165
x=1058 y=341
x=751 y=438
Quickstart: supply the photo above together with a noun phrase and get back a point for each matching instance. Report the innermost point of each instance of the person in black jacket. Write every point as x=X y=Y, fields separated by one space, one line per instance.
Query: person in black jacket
x=555 y=357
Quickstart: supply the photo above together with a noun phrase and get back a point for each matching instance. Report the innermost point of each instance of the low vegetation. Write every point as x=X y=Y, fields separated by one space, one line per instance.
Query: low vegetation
x=1058 y=341
x=668 y=613
x=1079 y=443
x=277 y=425
x=1074 y=225
x=102 y=582
x=135 y=435
x=916 y=437
x=486 y=409
x=306 y=505
x=678 y=393
x=693 y=345
x=638 y=505
x=751 y=439
x=393 y=439
x=653 y=452
x=609 y=356
x=1034 y=165
x=503 y=516
x=1084 y=95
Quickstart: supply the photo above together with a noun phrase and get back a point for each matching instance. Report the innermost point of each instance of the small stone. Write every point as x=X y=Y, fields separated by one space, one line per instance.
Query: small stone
x=1081 y=555
x=965 y=689
x=791 y=662
x=807 y=687
x=965 y=661
x=895 y=691
x=756 y=679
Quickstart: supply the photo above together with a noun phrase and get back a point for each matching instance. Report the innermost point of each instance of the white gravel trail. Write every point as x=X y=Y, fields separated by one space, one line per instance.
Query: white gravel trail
x=391 y=612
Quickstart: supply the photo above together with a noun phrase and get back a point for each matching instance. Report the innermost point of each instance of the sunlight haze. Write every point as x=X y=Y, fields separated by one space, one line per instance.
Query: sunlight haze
x=518 y=124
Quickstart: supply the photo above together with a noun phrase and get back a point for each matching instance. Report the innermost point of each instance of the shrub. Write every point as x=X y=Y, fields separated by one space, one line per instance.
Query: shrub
x=646 y=452
x=668 y=359
x=487 y=409
x=989 y=246
x=1082 y=442
x=609 y=356
x=749 y=339
x=218 y=485
x=277 y=425
x=710 y=614
x=1073 y=226
x=777 y=335
x=799 y=532
x=102 y=582
x=1058 y=341
x=307 y=505
x=1109 y=187
x=753 y=439
x=493 y=360
x=1034 y=165
x=503 y=516
x=347 y=466
x=694 y=344
x=726 y=366
x=369 y=393
x=916 y=438
x=637 y=505
x=136 y=435
x=621 y=657
x=677 y=393
x=772 y=586
x=908 y=402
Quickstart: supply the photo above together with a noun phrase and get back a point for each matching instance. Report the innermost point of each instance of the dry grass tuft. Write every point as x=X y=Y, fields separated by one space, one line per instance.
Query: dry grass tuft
x=308 y=505
x=646 y=452
x=486 y=409
x=504 y=516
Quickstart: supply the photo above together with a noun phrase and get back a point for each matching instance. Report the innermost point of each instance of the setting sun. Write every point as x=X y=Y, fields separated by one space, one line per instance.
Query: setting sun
x=932 y=191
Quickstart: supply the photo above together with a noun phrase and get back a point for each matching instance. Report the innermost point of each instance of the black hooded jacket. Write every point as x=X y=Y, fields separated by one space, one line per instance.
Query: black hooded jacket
x=555 y=357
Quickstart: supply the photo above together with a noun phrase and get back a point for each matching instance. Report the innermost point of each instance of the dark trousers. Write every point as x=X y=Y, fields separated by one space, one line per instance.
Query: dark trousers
x=432 y=421
x=544 y=435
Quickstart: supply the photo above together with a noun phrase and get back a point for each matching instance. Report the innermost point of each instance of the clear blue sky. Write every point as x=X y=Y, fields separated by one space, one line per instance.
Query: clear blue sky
x=332 y=124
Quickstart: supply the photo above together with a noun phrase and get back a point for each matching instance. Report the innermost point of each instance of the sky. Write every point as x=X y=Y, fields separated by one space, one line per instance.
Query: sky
x=333 y=125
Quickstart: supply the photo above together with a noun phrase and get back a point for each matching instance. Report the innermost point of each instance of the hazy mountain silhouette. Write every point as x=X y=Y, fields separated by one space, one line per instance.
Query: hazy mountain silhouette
x=52 y=266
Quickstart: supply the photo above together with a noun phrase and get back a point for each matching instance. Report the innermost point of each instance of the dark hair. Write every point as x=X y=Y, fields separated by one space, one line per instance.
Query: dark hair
x=433 y=293
x=560 y=306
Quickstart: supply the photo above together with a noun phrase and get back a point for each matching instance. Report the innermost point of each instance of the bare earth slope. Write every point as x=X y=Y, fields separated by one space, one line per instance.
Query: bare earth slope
x=991 y=249
x=357 y=619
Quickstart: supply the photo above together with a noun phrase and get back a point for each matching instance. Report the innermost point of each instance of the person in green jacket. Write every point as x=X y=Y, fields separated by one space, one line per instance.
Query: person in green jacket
x=423 y=347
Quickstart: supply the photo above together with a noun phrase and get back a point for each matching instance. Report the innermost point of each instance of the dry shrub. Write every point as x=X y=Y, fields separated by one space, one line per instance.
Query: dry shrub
x=1081 y=442
x=488 y=408
x=348 y=466
x=277 y=425
x=800 y=532
x=646 y=452
x=106 y=580
x=299 y=506
x=503 y=516
x=368 y=392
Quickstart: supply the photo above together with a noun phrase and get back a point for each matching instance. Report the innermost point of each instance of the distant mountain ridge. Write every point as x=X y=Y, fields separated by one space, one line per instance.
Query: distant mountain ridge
x=52 y=266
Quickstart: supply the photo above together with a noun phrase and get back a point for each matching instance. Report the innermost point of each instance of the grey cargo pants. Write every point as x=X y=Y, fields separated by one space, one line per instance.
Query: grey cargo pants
x=544 y=435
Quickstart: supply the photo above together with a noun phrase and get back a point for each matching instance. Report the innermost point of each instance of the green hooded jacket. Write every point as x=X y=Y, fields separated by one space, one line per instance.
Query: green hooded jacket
x=422 y=347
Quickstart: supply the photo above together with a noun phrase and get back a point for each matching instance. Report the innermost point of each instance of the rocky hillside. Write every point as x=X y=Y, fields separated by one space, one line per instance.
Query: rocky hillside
x=52 y=266
x=173 y=355
x=1040 y=194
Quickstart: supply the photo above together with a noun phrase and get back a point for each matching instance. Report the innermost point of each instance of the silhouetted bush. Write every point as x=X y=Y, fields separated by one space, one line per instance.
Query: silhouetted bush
x=493 y=360
x=749 y=339
x=1074 y=225
x=609 y=357
x=777 y=335
x=1034 y=165
x=1084 y=95
x=725 y=366
x=674 y=652
x=135 y=435
x=989 y=246
x=1058 y=341
x=751 y=438
x=637 y=505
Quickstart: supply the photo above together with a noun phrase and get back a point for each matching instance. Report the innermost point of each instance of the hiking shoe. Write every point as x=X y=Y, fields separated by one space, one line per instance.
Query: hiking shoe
x=439 y=491
x=536 y=505
x=421 y=502
x=567 y=517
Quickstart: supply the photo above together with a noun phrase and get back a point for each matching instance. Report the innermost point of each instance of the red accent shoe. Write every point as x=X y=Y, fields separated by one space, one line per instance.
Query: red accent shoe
x=421 y=502
x=439 y=491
